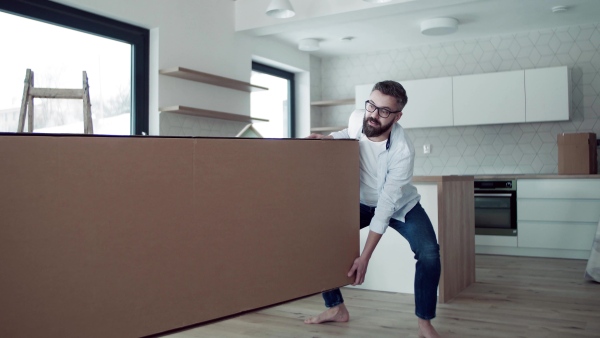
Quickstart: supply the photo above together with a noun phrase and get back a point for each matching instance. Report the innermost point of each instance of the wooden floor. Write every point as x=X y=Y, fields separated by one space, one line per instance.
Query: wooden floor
x=513 y=297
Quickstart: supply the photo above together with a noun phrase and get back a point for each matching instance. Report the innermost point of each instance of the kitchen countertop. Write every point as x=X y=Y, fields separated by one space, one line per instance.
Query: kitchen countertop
x=449 y=178
x=446 y=178
x=532 y=176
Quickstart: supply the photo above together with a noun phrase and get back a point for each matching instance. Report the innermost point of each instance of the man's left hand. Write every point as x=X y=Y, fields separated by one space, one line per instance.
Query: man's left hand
x=359 y=268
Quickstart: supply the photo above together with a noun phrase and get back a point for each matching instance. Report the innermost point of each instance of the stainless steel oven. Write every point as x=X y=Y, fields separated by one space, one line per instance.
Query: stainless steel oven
x=496 y=207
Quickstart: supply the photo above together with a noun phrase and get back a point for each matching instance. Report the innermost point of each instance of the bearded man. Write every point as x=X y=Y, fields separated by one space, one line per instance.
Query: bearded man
x=388 y=199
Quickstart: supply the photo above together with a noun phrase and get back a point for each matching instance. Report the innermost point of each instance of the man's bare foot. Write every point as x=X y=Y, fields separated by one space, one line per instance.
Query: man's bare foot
x=426 y=330
x=335 y=314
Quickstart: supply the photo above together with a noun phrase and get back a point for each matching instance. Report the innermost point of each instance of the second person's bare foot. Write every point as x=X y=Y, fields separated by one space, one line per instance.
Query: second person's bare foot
x=335 y=314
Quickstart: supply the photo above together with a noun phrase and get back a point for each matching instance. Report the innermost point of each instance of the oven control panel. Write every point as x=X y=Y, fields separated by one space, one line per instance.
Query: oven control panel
x=495 y=185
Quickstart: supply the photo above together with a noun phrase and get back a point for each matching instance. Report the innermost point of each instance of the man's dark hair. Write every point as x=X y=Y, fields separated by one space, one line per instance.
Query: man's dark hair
x=393 y=89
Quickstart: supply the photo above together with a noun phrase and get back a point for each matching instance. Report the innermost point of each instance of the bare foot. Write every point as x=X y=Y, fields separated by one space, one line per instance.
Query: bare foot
x=335 y=314
x=426 y=330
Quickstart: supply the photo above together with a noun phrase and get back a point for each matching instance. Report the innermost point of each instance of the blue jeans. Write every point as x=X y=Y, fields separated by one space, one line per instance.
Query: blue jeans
x=418 y=231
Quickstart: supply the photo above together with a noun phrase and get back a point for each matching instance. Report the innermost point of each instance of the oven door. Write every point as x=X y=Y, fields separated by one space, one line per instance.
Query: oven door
x=496 y=213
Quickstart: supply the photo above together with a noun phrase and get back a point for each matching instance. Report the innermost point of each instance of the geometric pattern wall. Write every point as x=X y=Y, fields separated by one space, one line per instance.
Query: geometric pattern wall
x=524 y=148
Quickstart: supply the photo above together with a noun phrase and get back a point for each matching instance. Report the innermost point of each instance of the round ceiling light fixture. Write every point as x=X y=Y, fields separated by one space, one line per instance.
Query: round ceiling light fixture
x=280 y=9
x=308 y=45
x=439 y=26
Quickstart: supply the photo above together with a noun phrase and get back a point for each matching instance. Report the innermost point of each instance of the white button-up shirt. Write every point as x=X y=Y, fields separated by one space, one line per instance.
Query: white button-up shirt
x=397 y=196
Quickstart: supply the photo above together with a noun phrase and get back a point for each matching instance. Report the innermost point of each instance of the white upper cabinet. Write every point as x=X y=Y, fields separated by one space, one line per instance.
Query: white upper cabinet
x=547 y=94
x=533 y=95
x=429 y=102
x=492 y=98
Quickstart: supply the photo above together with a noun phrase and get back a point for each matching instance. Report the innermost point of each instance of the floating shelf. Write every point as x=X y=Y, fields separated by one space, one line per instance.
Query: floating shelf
x=211 y=114
x=322 y=129
x=332 y=103
x=193 y=75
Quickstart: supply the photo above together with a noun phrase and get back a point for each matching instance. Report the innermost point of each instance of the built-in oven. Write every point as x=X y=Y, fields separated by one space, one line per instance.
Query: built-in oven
x=496 y=207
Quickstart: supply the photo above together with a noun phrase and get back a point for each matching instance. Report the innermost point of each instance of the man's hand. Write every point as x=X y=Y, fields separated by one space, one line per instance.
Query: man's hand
x=360 y=264
x=360 y=269
x=320 y=136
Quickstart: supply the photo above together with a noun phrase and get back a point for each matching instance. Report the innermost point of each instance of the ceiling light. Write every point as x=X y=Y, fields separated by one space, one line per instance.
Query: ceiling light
x=281 y=9
x=559 y=9
x=439 y=26
x=377 y=1
x=308 y=45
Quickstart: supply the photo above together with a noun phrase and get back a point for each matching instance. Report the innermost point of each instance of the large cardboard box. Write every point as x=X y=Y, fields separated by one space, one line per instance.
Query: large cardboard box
x=133 y=236
x=577 y=153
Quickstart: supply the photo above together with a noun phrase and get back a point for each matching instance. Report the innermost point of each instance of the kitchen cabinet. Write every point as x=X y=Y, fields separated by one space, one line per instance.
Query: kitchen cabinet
x=493 y=98
x=547 y=94
x=429 y=102
x=558 y=214
x=556 y=217
x=532 y=95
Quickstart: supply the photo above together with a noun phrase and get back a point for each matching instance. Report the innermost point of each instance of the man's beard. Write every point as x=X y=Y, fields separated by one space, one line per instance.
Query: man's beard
x=375 y=131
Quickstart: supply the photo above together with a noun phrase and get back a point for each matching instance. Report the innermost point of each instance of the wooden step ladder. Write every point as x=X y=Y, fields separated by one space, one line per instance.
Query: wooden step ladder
x=30 y=92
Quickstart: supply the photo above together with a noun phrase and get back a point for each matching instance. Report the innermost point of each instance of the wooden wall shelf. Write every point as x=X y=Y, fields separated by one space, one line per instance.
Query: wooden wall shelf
x=341 y=102
x=193 y=75
x=211 y=114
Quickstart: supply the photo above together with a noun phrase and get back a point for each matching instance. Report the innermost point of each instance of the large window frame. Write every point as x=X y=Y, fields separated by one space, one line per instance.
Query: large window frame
x=259 y=67
x=69 y=17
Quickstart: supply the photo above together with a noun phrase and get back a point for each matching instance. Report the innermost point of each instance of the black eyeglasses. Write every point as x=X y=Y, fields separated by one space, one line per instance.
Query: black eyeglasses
x=383 y=112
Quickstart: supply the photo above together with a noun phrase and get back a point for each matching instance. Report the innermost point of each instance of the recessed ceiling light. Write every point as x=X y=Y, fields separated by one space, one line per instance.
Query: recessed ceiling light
x=439 y=26
x=559 y=9
x=377 y=1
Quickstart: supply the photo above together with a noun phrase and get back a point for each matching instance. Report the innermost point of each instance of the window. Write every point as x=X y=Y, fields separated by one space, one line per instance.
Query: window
x=118 y=78
x=275 y=104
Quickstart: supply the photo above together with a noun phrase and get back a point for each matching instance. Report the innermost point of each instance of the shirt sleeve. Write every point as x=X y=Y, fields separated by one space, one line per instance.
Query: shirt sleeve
x=354 y=126
x=399 y=174
x=340 y=134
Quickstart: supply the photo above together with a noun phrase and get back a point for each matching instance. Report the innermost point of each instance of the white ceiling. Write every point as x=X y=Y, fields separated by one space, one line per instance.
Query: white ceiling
x=397 y=25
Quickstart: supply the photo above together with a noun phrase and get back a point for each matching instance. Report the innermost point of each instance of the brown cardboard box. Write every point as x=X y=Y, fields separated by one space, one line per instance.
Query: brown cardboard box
x=133 y=236
x=577 y=153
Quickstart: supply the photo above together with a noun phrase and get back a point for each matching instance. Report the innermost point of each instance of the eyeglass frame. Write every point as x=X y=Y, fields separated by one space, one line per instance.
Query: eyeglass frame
x=379 y=109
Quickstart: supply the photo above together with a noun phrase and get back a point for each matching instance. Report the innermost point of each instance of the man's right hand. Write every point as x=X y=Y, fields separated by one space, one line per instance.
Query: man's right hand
x=319 y=136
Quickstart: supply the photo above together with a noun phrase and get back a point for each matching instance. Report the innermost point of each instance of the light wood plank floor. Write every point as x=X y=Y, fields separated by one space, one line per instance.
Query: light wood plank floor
x=513 y=297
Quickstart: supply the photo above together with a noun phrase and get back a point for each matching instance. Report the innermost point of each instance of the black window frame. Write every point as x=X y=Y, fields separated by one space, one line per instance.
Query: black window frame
x=72 y=18
x=262 y=68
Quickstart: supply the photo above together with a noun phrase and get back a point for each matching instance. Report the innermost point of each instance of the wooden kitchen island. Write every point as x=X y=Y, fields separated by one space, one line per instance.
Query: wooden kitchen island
x=449 y=202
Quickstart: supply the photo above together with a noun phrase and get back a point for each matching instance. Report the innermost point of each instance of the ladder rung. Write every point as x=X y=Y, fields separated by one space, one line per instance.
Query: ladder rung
x=56 y=93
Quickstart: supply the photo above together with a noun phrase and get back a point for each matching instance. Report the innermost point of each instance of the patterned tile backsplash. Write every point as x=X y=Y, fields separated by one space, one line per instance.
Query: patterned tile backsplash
x=526 y=148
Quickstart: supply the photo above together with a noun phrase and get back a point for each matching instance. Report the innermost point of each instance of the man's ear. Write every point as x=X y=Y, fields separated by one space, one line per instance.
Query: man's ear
x=398 y=116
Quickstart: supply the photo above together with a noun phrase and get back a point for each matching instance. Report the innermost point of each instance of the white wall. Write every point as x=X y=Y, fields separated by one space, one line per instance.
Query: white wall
x=199 y=35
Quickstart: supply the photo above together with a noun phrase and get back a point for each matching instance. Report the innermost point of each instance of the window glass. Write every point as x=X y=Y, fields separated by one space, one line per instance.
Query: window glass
x=58 y=56
x=270 y=104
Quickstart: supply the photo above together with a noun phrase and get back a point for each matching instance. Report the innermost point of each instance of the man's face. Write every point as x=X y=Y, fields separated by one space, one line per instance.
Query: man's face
x=373 y=124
